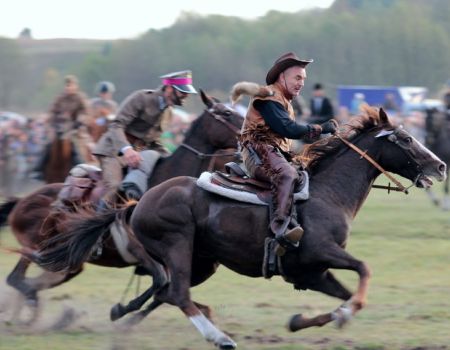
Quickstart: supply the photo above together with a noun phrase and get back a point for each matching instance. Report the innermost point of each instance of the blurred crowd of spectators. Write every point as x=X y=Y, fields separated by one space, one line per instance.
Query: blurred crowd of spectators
x=23 y=139
x=21 y=142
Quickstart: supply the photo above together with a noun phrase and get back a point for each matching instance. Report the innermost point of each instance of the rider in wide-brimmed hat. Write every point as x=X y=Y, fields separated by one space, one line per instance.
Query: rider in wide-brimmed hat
x=266 y=133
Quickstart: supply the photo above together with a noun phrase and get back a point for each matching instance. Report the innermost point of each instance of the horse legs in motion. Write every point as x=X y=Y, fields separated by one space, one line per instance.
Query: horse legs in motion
x=175 y=247
x=30 y=286
x=326 y=283
x=445 y=202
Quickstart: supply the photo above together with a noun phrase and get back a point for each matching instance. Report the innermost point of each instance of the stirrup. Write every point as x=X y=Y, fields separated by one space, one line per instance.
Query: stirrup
x=289 y=241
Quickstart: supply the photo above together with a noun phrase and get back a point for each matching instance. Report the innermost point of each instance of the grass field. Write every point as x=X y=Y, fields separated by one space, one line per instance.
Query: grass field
x=405 y=241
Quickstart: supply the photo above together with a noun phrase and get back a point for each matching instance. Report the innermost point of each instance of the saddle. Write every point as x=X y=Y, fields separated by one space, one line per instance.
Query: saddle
x=83 y=184
x=236 y=184
x=237 y=179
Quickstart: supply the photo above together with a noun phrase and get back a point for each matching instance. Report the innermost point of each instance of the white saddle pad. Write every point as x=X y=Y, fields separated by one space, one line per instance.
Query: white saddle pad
x=204 y=181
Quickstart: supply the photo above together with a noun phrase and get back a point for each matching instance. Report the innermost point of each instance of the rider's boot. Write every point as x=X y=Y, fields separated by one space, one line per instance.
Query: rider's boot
x=287 y=234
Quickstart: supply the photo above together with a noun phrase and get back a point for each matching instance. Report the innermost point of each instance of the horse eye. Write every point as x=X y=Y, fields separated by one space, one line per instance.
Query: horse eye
x=227 y=113
x=408 y=140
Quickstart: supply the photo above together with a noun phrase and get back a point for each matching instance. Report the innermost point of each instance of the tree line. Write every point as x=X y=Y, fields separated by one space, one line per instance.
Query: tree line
x=356 y=42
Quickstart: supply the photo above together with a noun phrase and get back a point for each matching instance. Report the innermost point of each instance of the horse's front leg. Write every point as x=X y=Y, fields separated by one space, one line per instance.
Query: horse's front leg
x=335 y=257
x=338 y=258
x=324 y=282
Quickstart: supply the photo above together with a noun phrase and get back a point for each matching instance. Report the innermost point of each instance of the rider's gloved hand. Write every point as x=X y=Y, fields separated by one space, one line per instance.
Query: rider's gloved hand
x=329 y=127
x=314 y=131
x=132 y=158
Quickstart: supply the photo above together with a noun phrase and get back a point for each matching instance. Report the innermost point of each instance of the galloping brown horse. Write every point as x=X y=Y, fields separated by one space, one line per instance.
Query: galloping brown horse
x=190 y=230
x=210 y=134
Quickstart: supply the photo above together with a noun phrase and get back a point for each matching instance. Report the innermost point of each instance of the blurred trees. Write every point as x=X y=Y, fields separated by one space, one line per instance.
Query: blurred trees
x=370 y=42
x=12 y=73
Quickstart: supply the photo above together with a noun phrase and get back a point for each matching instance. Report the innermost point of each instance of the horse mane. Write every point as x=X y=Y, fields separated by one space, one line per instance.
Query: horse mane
x=370 y=119
x=193 y=127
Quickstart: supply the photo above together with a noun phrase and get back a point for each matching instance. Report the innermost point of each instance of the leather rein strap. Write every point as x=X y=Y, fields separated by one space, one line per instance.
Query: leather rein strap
x=207 y=155
x=363 y=154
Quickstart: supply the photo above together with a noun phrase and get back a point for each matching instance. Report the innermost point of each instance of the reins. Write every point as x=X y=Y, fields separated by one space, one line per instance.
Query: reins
x=202 y=155
x=229 y=125
x=399 y=187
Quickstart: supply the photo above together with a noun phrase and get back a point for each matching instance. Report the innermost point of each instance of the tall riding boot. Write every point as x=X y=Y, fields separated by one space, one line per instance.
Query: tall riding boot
x=287 y=232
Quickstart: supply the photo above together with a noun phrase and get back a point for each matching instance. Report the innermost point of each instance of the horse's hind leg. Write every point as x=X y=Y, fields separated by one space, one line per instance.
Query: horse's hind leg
x=49 y=279
x=155 y=269
x=177 y=293
x=16 y=279
x=29 y=286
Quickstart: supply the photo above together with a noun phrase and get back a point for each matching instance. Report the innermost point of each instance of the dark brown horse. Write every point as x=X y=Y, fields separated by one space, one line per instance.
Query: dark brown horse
x=190 y=230
x=210 y=142
x=438 y=140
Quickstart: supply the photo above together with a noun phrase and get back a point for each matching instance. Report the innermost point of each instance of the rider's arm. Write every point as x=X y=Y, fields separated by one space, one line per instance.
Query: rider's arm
x=277 y=118
x=129 y=111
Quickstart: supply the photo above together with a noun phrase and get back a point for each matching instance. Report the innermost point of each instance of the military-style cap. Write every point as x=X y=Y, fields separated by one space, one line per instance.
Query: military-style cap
x=182 y=81
x=105 y=87
x=286 y=61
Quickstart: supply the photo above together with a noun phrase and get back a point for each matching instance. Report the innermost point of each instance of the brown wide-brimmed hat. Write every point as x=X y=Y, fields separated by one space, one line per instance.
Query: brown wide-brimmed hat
x=286 y=61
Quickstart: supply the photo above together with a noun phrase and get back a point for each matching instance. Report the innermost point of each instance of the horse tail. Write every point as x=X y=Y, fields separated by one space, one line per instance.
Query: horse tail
x=6 y=209
x=68 y=250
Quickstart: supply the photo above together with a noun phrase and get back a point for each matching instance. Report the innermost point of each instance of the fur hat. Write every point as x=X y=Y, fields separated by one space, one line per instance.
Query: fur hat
x=286 y=61
x=250 y=89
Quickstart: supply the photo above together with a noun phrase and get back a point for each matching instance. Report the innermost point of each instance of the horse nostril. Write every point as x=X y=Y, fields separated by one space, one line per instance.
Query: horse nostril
x=442 y=168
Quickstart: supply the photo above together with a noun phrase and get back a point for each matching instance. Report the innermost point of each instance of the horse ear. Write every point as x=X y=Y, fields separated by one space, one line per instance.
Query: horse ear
x=206 y=99
x=384 y=119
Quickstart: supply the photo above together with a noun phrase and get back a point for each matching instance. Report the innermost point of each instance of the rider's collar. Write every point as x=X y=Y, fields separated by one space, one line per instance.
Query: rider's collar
x=162 y=103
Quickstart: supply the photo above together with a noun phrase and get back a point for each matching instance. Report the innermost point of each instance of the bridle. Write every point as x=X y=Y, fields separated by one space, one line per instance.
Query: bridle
x=399 y=187
x=221 y=119
x=213 y=156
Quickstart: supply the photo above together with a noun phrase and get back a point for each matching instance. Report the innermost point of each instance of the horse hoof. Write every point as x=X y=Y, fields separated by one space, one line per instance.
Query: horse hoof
x=296 y=323
x=117 y=311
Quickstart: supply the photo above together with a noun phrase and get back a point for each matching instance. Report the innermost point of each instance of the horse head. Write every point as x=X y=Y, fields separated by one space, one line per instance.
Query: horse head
x=393 y=148
x=402 y=154
x=218 y=117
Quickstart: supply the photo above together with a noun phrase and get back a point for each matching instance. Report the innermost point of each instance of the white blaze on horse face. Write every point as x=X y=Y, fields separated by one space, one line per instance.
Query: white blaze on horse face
x=384 y=133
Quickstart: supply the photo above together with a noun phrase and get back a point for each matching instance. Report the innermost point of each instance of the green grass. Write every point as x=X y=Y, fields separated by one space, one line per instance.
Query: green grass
x=405 y=241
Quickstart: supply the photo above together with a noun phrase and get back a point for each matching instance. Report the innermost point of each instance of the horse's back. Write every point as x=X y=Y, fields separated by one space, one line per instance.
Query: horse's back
x=164 y=207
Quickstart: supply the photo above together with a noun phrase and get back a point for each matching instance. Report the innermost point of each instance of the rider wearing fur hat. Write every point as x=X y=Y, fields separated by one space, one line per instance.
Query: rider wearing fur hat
x=265 y=138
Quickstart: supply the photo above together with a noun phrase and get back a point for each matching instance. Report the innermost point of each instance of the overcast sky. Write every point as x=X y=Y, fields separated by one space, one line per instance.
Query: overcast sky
x=114 y=19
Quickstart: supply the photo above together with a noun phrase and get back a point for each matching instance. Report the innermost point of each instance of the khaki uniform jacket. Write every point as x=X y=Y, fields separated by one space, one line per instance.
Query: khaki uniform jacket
x=139 y=122
x=256 y=131
x=68 y=112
